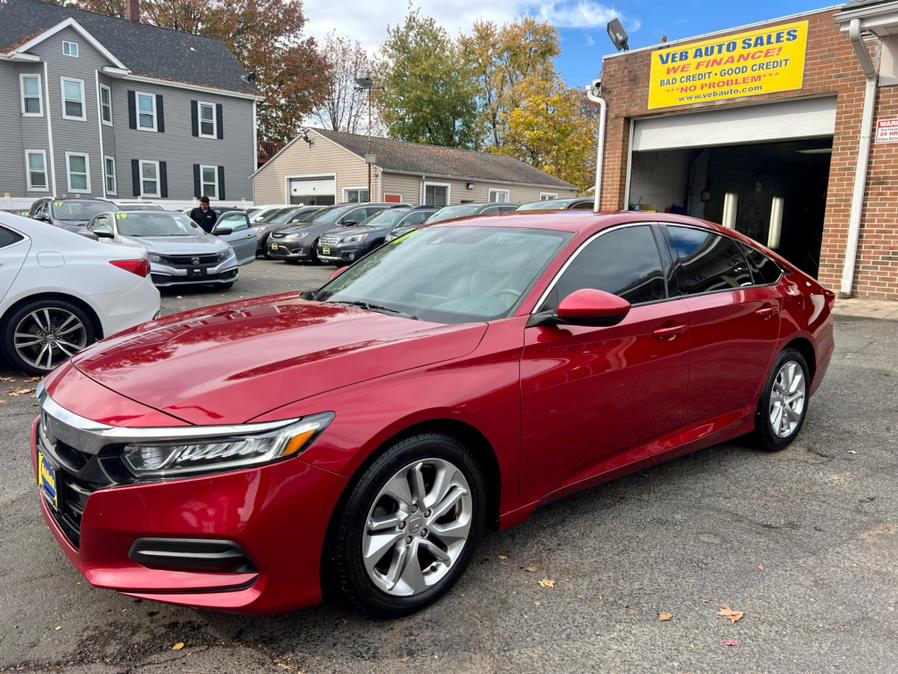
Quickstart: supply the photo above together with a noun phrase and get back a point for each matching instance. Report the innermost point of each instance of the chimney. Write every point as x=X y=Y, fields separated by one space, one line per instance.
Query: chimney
x=132 y=10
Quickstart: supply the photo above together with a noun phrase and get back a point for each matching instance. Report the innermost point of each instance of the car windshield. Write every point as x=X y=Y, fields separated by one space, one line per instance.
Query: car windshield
x=414 y=218
x=457 y=274
x=452 y=212
x=80 y=210
x=276 y=213
x=156 y=224
x=385 y=218
x=545 y=205
x=142 y=207
x=331 y=215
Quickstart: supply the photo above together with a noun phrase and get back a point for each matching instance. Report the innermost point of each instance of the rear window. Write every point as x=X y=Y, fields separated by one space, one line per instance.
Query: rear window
x=763 y=269
x=8 y=237
x=705 y=261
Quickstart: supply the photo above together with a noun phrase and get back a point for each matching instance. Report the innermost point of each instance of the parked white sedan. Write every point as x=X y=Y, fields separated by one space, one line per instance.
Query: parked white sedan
x=60 y=292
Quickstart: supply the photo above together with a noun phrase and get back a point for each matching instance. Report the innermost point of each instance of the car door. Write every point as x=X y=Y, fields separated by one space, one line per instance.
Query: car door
x=13 y=250
x=242 y=237
x=594 y=398
x=735 y=324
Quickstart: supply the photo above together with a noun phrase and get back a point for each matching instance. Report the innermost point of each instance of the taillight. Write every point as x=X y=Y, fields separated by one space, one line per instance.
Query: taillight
x=139 y=267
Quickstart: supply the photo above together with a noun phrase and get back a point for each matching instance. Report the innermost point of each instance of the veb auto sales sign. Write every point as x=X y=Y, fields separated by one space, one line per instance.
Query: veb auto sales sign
x=761 y=61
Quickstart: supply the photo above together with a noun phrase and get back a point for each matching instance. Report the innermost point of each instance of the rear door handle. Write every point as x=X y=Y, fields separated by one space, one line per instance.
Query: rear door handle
x=765 y=313
x=669 y=332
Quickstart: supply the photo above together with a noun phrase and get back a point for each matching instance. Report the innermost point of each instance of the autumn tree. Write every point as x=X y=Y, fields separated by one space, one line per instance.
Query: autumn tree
x=265 y=35
x=345 y=106
x=550 y=131
x=502 y=58
x=428 y=92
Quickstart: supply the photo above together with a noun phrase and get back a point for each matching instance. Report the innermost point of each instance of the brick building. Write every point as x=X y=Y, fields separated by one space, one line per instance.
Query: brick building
x=786 y=130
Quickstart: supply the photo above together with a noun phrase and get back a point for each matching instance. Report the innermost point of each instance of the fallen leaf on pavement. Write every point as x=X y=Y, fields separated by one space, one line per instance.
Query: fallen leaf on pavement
x=16 y=392
x=2 y=402
x=547 y=583
x=665 y=617
x=7 y=380
x=33 y=380
x=532 y=568
x=501 y=558
x=727 y=612
x=731 y=642
x=178 y=646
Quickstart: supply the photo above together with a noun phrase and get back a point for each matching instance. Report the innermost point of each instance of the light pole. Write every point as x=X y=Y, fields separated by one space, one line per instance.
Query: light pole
x=366 y=83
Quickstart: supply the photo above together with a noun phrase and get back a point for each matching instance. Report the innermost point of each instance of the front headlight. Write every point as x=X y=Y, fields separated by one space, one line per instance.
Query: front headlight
x=355 y=238
x=152 y=257
x=198 y=454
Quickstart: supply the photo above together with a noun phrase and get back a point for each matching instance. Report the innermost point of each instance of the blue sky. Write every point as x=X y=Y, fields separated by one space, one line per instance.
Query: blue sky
x=647 y=20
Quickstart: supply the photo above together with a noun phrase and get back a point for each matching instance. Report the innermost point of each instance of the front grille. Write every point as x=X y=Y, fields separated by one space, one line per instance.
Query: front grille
x=78 y=475
x=185 y=261
x=329 y=240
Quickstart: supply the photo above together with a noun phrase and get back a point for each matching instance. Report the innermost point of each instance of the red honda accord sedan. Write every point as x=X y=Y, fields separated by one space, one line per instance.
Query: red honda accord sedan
x=361 y=436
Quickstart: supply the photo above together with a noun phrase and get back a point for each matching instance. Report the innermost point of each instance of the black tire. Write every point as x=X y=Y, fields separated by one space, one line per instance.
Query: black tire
x=349 y=574
x=766 y=437
x=12 y=320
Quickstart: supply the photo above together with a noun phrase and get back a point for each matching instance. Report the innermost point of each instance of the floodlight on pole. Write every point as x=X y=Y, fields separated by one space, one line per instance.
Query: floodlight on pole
x=618 y=35
x=366 y=83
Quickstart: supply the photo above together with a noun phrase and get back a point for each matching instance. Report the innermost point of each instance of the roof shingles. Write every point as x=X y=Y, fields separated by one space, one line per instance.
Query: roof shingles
x=146 y=50
x=433 y=160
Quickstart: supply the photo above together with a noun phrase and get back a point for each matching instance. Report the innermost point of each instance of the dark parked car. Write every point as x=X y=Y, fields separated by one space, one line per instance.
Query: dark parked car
x=276 y=220
x=411 y=221
x=300 y=241
x=469 y=210
x=576 y=204
x=70 y=214
x=345 y=245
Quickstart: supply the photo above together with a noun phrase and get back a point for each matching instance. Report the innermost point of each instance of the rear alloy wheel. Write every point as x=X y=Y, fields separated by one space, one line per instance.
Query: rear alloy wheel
x=410 y=526
x=41 y=335
x=783 y=406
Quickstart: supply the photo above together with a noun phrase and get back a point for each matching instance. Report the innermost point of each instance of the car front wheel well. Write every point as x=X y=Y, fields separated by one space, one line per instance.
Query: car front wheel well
x=81 y=304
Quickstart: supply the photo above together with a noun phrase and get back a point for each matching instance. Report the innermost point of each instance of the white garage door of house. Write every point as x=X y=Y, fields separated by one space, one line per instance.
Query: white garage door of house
x=312 y=190
x=809 y=118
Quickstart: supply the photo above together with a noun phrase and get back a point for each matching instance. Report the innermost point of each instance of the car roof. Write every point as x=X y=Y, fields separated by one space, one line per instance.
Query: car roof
x=578 y=222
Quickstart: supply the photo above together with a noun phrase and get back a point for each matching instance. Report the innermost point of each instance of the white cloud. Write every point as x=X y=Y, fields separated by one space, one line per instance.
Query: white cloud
x=367 y=20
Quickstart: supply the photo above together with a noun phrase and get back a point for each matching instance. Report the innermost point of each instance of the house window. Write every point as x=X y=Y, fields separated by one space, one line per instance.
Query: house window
x=499 y=196
x=208 y=123
x=70 y=49
x=436 y=194
x=209 y=181
x=355 y=195
x=77 y=165
x=146 y=112
x=149 y=178
x=109 y=169
x=106 y=104
x=32 y=101
x=545 y=196
x=73 y=99
x=36 y=161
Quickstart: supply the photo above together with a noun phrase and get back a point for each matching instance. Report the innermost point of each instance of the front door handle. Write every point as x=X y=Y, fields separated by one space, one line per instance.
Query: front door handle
x=670 y=332
x=766 y=313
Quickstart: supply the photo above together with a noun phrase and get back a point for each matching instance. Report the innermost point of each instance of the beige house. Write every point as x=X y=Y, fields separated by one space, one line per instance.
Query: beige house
x=327 y=167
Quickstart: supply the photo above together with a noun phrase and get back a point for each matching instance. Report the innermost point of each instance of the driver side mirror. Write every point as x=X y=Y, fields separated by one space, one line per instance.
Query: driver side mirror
x=222 y=231
x=592 y=308
x=349 y=223
x=42 y=217
x=103 y=234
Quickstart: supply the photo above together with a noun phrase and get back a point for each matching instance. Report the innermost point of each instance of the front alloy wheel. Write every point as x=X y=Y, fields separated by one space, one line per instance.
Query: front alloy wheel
x=42 y=335
x=409 y=526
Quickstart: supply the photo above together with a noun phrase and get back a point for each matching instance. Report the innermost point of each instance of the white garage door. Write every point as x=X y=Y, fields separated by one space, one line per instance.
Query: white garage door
x=314 y=190
x=754 y=124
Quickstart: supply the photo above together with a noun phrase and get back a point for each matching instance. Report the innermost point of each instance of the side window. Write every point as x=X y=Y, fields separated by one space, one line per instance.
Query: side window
x=234 y=221
x=705 y=261
x=763 y=269
x=8 y=237
x=623 y=262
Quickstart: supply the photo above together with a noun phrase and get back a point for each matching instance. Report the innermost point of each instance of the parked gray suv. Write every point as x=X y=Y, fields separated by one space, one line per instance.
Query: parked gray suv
x=70 y=214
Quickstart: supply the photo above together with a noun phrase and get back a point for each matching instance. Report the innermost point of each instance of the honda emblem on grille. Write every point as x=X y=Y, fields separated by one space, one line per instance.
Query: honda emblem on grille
x=195 y=259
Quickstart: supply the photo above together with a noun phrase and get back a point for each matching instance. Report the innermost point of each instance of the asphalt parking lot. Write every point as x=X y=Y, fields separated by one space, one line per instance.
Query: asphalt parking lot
x=804 y=543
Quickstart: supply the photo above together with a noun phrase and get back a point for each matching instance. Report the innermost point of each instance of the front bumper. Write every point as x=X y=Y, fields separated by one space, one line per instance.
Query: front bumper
x=165 y=275
x=289 y=249
x=340 y=254
x=277 y=514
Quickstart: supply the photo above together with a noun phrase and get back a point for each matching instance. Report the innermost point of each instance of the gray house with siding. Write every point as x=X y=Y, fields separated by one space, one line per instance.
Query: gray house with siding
x=105 y=107
x=326 y=167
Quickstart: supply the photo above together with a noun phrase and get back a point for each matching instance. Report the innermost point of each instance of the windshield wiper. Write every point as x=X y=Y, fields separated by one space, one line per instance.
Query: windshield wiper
x=374 y=307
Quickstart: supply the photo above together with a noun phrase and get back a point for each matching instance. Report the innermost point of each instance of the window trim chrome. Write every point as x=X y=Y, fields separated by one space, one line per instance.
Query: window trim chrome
x=91 y=436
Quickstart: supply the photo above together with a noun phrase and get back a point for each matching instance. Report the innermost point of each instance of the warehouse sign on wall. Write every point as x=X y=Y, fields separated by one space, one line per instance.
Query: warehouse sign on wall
x=761 y=61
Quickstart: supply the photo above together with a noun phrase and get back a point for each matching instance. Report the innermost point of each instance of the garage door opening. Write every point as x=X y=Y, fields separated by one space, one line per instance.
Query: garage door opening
x=774 y=192
x=313 y=191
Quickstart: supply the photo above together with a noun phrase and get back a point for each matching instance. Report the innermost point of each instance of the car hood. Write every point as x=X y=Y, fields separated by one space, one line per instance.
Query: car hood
x=70 y=225
x=179 y=245
x=343 y=232
x=233 y=362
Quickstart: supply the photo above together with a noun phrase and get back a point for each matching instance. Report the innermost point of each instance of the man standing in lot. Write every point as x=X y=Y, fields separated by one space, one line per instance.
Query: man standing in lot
x=203 y=215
